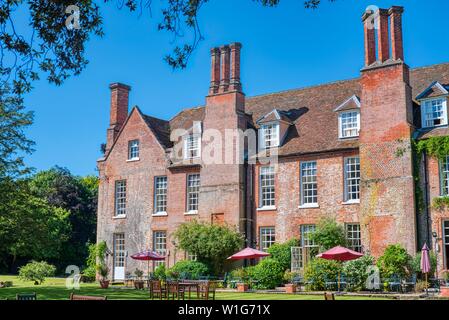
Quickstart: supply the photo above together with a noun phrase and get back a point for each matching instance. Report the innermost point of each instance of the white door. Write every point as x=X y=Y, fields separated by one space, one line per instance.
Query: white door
x=119 y=256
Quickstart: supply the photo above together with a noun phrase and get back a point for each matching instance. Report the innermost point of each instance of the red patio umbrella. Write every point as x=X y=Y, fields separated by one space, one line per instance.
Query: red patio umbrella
x=148 y=256
x=248 y=253
x=425 y=262
x=340 y=253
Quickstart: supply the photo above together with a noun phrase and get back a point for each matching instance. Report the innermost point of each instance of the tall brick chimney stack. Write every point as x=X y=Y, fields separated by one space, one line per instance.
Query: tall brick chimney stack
x=396 y=32
x=387 y=204
x=118 y=111
x=224 y=179
x=225 y=69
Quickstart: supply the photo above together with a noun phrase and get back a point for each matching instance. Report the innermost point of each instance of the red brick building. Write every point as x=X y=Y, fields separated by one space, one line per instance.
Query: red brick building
x=342 y=150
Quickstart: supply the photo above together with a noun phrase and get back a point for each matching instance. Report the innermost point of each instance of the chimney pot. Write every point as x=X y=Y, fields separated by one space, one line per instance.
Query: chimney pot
x=225 y=68
x=397 y=44
x=118 y=110
x=235 y=84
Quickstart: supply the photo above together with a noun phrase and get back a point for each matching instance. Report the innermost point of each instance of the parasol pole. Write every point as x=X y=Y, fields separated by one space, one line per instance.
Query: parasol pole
x=338 y=281
x=427 y=292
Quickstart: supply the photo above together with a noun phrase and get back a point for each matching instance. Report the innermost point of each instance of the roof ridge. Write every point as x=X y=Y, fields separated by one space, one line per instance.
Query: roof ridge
x=305 y=87
x=430 y=65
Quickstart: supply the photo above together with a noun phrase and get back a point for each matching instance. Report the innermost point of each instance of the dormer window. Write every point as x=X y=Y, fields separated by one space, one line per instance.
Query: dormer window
x=434 y=112
x=349 y=124
x=133 y=150
x=192 y=146
x=269 y=136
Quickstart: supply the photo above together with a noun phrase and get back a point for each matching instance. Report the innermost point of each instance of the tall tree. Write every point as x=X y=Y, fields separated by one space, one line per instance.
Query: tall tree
x=77 y=195
x=29 y=226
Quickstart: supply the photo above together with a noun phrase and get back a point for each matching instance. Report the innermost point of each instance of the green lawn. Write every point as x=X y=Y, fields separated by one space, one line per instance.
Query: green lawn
x=54 y=289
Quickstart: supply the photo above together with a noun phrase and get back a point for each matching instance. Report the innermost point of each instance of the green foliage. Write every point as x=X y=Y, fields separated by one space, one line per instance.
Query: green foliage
x=29 y=226
x=160 y=273
x=416 y=263
x=395 y=261
x=440 y=203
x=36 y=271
x=103 y=271
x=328 y=234
x=193 y=269
x=319 y=270
x=96 y=259
x=13 y=142
x=437 y=147
x=269 y=273
x=78 y=195
x=138 y=273
x=212 y=244
x=282 y=252
x=357 y=271
x=243 y=274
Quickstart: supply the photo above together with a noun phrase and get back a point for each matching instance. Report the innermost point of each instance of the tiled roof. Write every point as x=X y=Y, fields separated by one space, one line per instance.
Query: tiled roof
x=160 y=128
x=315 y=126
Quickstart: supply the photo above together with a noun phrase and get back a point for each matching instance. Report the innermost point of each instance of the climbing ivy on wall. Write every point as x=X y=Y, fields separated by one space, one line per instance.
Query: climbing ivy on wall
x=437 y=147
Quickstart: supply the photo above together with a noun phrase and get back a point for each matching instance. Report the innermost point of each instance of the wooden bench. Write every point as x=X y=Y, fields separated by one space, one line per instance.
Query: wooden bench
x=79 y=297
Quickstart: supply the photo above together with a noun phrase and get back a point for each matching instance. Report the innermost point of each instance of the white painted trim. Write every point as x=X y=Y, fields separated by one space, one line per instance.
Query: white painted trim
x=267 y=208
x=340 y=129
x=309 y=206
x=160 y=214
x=120 y=216
x=133 y=159
x=191 y=213
x=349 y=202
x=353 y=97
x=423 y=112
x=435 y=83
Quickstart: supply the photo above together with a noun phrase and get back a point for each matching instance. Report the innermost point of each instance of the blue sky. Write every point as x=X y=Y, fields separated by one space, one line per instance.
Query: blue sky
x=283 y=48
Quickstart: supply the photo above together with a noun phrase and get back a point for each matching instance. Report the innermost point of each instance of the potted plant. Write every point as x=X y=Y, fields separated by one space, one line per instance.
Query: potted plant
x=138 y=284
x=243 y=279
x=290 y=287
x=103 y=272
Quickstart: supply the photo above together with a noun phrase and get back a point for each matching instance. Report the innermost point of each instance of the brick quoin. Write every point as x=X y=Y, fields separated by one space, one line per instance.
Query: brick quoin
x=229 y=193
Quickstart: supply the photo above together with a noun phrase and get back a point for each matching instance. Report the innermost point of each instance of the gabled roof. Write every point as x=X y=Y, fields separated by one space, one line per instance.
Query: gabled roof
x=311 y=111
x=435 y=89
x=275 y=115
x=160 y=128
x=350 y=104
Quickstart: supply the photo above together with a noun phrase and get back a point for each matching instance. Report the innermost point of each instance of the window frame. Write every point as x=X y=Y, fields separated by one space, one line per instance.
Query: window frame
x=340 y=124
x=352 y=239
x=423 y=109
x=346 y=180
x=130 y=150
x=444 y=189
x=272 y=204
x=117 y=210
x=189 y=209
x=264 y=238
x=159 y=251
x=304 y=204
x=262 y=135
x=156 y=210
x=303 y=231
x=188 y=150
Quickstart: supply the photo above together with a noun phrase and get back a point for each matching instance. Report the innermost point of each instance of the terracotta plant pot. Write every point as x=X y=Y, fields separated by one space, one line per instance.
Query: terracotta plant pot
x=104 y=284
x=138 y=284
x=290 y=288
x=444 y=291
x=242 y=287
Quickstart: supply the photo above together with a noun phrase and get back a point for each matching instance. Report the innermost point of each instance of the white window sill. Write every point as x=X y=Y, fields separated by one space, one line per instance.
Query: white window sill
x=309 y=206
x=267 y=208
x=160 y=214
x=351 y=202
x=133 y=159
x=348 y=138
x=191 y=213
x=120 y=216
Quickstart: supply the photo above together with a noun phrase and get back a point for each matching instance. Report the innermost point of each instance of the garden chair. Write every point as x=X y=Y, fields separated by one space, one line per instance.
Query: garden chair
x=79 y=297
x=26 y=296
x=395 y=283
x=329 y=296
x=174 y=290
x=157 y=290
x=330 y=284
x=343 y=282
x=410 y=283
x=207 y=290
